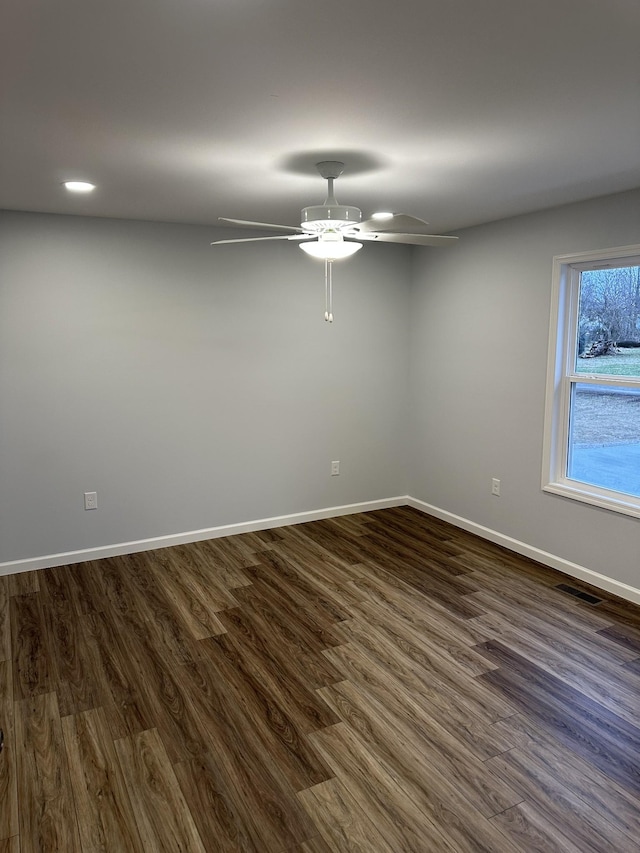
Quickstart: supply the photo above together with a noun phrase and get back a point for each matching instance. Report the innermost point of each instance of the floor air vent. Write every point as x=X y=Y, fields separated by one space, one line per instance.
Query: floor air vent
x=578 y=593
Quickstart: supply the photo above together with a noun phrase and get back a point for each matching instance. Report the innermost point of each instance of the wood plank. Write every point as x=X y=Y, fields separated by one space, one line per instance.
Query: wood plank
x=279 y=640
x=294 y=619
x=285 y=682
x=163 y=820
x=158 y=690
x=192 y=602
x=482 y=702
x=611 y=687
x=227 y=559
x=284 y=580
x=343 y=824
x=496 y=562
x=376 y=793
x=47 y=816
x=324 y=537
x=70 y=656
x=5 y=624
x=466 y=714
x=83 y=579
x=329 y=598
x=420 y=539
x=402 y=813
x=301 y=549
x=433 y=561
x=627 y=636
x=633 y=666
x=112 y=665
x=419 y=575
x=269 y=719
x=327 y=578
x=427 y=617
x=573 y=615
x=525 y=826
x=105 y=816
x=567 y=813
x=605 y=796
x=580 y=645
x=31 y=660
x=419 y=644
x=23 y=583
x=193 y=564
x=215 y=810
x=352 y=525
x=146 y=607
x=483 y=791
x=250 y=776
x=8 y=773
x=605 y=739
x=111 y=579
x=316 y=845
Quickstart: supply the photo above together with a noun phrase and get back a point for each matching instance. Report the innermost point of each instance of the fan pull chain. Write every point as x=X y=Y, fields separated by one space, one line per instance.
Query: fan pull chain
x=328 y=291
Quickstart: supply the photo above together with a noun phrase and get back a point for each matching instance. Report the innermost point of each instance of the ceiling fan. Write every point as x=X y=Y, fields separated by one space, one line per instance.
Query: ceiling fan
x=332 y=231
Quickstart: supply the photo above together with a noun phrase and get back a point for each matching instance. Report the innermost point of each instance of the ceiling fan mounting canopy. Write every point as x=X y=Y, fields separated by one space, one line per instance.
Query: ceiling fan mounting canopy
x=329 y=216
x=330 y=169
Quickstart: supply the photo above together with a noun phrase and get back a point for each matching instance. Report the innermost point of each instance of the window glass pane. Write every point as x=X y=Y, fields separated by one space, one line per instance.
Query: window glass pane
x=609 y=322
x=604 y=437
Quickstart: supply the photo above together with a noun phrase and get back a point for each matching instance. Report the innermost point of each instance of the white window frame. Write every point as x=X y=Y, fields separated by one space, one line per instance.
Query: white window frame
x=561 y=376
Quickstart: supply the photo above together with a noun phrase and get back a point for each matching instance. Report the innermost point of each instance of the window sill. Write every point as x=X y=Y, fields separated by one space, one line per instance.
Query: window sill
x=627 y=505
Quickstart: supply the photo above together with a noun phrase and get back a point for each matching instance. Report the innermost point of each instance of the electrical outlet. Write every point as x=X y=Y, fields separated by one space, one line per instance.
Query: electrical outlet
x=495 y=487
x=335 y=468
x=91 y=500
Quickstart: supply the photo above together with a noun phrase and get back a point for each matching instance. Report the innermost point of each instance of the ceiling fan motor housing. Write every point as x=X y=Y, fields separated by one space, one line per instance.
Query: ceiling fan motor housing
x=323 y=217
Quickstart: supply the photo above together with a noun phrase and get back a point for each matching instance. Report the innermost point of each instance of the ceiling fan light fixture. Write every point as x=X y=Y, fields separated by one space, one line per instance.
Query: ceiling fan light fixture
x=330 y=250
x=382 y=214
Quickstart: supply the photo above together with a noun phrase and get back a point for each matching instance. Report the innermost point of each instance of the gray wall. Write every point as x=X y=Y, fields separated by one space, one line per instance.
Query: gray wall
x=195 y=387
x=189 y=386
x=479 y=332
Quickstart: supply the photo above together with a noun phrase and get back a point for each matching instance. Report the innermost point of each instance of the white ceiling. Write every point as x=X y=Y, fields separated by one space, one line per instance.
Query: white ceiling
x=456 y=111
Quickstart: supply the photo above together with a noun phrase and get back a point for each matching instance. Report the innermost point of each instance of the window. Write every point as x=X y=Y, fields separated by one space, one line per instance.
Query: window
x=592 y=421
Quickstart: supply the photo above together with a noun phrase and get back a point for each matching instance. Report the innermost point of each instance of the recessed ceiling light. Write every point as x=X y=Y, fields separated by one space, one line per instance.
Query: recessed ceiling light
x=79 y=186
x=382 y=214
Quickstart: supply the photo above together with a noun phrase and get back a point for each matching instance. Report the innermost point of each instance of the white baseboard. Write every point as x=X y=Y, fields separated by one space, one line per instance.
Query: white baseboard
x=622 y=590
x=574 y=570
x=68 y=557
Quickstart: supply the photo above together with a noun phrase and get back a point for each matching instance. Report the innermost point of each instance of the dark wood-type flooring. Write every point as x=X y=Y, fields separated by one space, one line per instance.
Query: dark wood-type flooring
x=377 y=683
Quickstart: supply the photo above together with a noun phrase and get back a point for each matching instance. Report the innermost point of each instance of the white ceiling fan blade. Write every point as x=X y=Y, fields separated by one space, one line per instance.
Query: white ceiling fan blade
x=258 y=239
x=247 y=223
x=398 y=223
x=411 y=239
